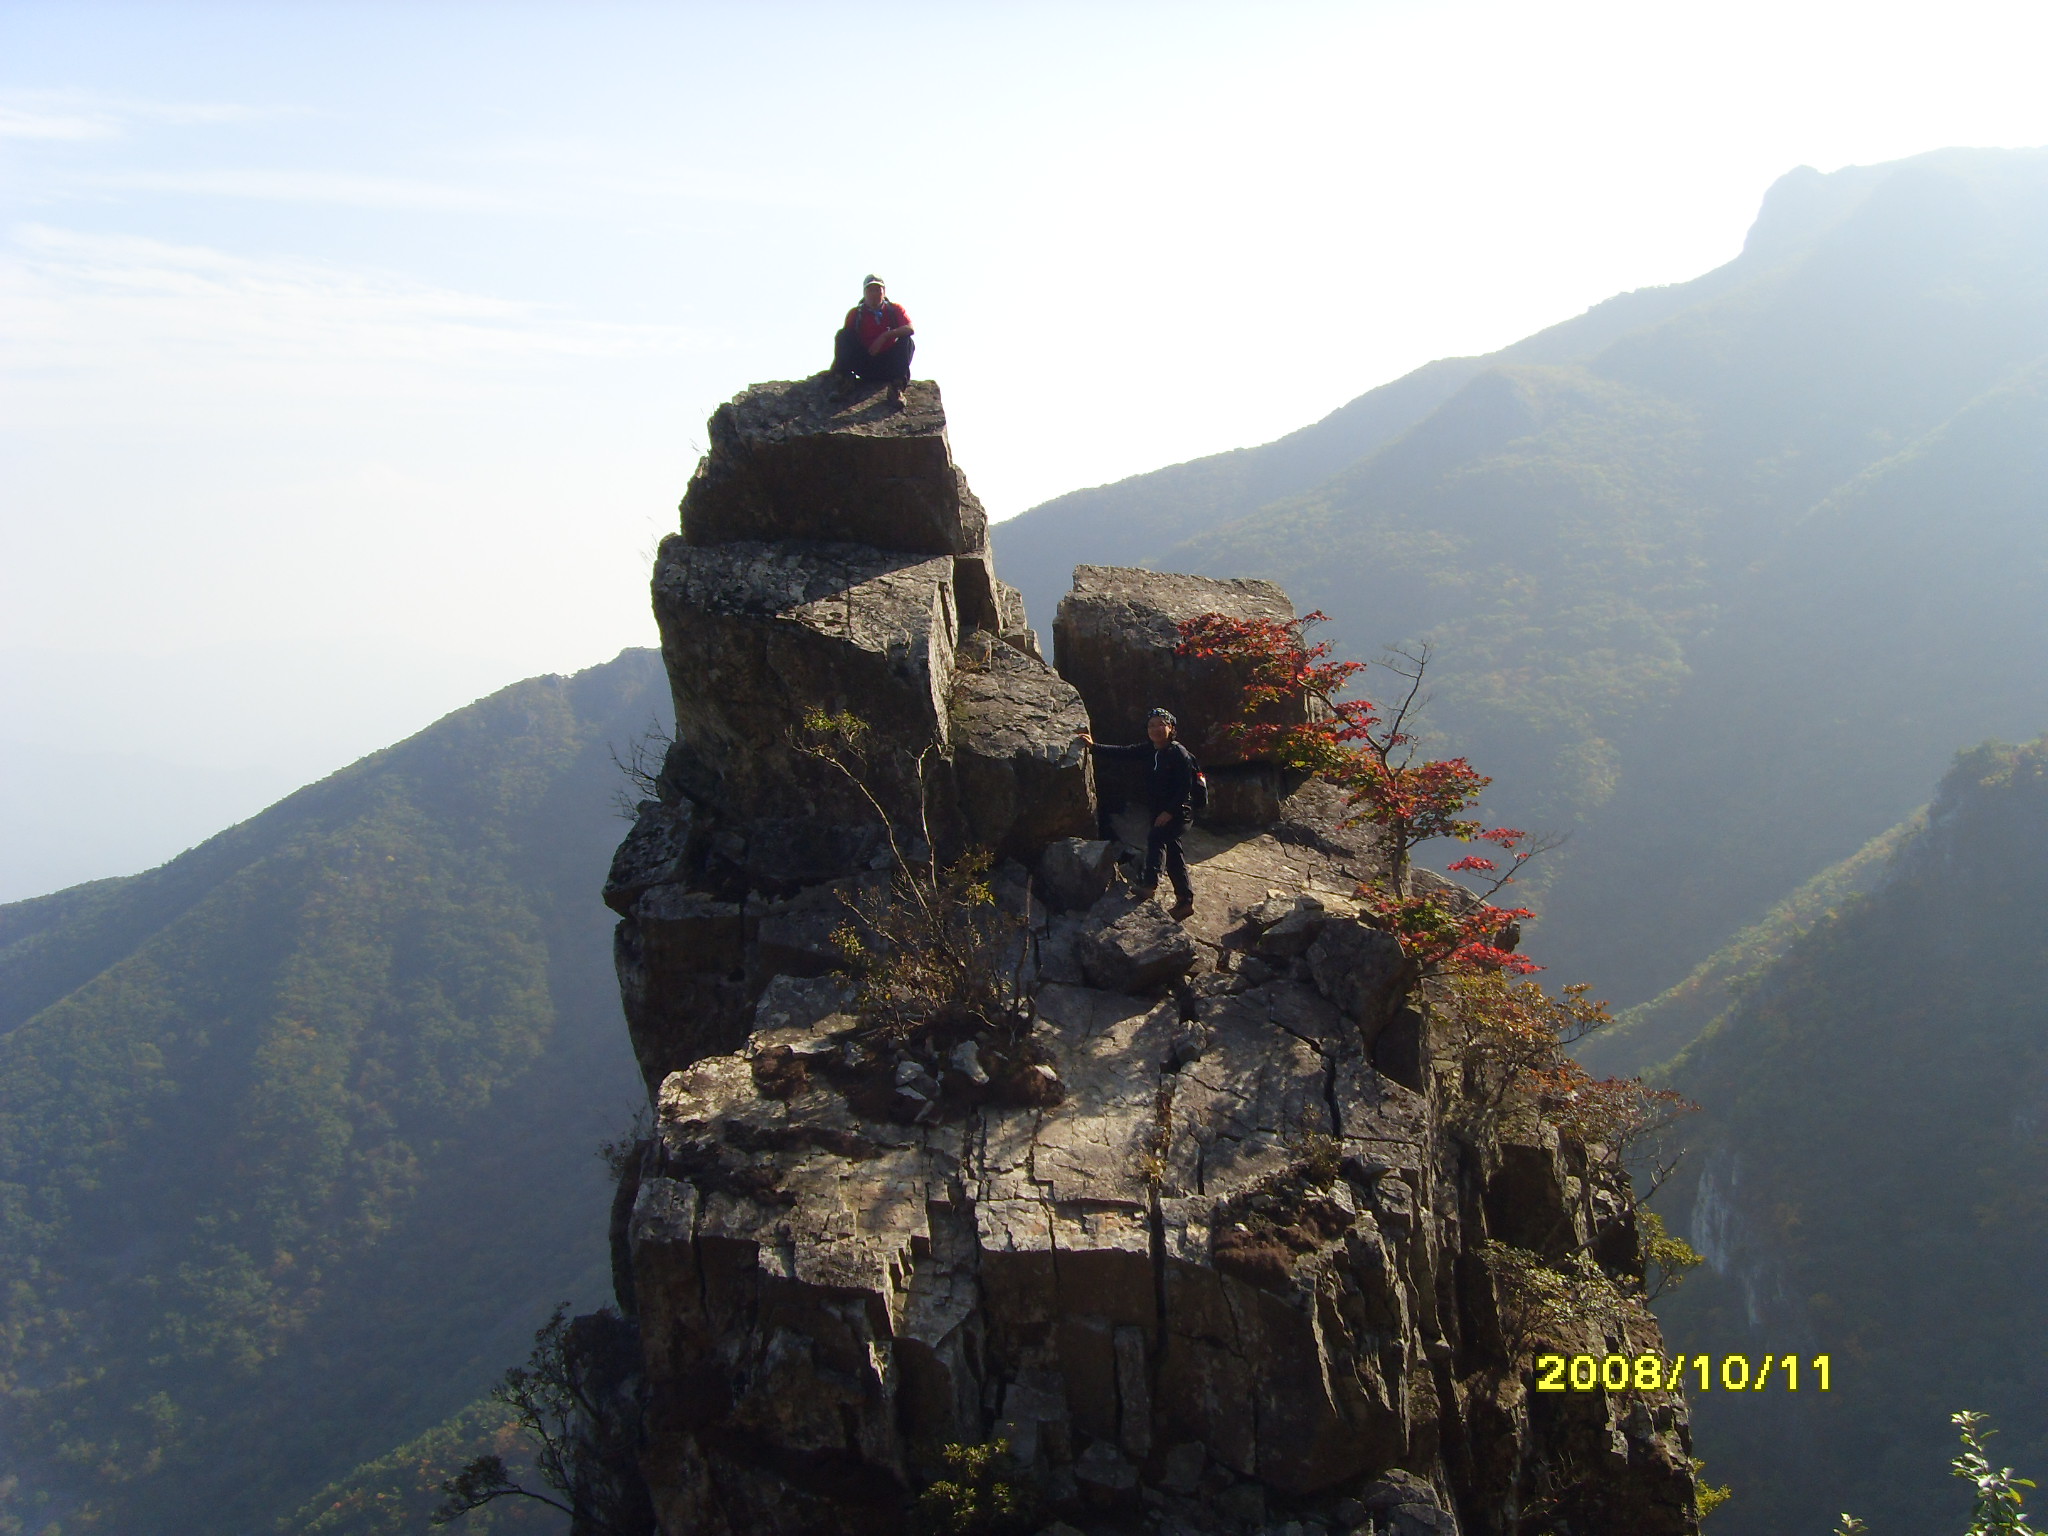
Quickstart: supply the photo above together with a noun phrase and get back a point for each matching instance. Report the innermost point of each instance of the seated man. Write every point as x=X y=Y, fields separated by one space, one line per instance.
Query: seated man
x=1169 y=795
x=875 y=342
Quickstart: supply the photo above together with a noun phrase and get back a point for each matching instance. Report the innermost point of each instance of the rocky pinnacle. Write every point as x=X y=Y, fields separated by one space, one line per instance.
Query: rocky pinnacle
x=1190 y=1232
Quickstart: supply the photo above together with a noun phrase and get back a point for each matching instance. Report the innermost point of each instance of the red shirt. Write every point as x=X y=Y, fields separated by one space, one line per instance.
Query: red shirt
x=867 y=323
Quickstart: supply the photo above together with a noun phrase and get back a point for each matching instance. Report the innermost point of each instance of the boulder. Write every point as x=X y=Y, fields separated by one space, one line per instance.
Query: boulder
x=1012 y=624
x=1287 y=926
x=1361 y=970
x=1408 y=1506
x=1114 y=638
x=1022 y=775
x=1140 y=951
x=1075 y=872
x=655 y=852
x=756 y=638
x=824 y=461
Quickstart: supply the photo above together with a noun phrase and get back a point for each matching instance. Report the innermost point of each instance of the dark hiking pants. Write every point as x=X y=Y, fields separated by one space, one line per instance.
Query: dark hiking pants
x=1164 y=842
x=851 y=358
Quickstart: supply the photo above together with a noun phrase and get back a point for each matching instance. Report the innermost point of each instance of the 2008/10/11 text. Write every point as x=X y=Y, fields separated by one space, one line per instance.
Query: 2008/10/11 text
x=1653 y=1373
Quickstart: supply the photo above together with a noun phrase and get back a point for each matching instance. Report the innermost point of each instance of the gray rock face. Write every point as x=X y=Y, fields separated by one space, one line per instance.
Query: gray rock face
x=1361 y=969
x=832 y=564
x=1222 y=1264
x=1155 y=1289
x=831 y=560
x=1114 y=639
x=821 y=460
x=680 y=958
x=1248 y=794
x=655 y=852
x=756 y=636
x=1022 y=774
x=1012 y=624
x=1035 y=1285
x=1074 y=872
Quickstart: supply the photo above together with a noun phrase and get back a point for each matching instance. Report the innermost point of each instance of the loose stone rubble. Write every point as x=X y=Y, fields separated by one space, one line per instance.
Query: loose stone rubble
x=1194 y=1237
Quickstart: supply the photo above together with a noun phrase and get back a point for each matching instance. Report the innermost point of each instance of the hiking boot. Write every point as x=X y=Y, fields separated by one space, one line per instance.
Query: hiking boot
x=1183 y=908
x=1144 y=890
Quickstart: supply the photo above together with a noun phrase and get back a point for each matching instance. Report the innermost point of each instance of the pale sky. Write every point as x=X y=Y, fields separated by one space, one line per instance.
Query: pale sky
x=353 y=356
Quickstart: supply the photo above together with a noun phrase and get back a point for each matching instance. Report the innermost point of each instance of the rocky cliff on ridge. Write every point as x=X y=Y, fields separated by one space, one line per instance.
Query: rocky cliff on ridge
x=1182 y=1221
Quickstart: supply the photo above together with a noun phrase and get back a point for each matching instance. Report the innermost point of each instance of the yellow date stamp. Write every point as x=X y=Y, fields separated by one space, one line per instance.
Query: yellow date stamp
x=1656 y=1373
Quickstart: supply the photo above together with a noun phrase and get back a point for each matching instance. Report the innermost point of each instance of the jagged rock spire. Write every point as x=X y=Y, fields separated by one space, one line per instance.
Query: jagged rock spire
x=1184 y=1225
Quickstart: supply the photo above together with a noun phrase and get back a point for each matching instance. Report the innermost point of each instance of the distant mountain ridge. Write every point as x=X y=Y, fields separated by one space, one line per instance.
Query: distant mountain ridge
x=1866 y=1177
x=297 y=1132
x=1137 y=518
x=1675 y=555
x=1646 y=1038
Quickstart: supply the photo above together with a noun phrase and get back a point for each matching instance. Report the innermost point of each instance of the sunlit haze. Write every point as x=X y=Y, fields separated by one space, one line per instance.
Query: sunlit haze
x=356 y=355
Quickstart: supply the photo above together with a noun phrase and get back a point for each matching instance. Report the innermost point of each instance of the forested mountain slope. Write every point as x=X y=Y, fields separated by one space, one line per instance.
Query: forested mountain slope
x=1130 y=522
x=1718 y=575
x=1133 y=520
x=297 y=1131
x=1648 y=1035
x=1867 y=1177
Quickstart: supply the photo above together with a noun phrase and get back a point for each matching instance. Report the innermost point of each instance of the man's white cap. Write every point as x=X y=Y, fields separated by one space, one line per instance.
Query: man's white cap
x=872 y=281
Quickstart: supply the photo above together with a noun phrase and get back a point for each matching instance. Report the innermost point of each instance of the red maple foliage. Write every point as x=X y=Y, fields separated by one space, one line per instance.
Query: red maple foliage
x=1372 y=757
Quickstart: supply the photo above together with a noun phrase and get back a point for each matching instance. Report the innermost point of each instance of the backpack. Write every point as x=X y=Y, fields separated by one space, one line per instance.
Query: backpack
x=1198 y=790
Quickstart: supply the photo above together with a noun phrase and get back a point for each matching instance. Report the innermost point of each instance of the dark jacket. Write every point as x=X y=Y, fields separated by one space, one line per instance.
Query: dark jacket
x=1169 y=776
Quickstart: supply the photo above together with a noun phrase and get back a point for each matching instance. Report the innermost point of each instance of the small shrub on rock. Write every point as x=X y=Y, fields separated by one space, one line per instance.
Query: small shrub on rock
x=1370 y=754
x=983 y=1495
x=1502 y=1035
x=1260 y=1234
x=932 y=955
x=935 y=954
x=1542 y=1305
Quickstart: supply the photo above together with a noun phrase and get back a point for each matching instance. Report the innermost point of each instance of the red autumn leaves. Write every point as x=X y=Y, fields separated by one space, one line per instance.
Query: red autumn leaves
x=1371 y=756
x=1514 y=1034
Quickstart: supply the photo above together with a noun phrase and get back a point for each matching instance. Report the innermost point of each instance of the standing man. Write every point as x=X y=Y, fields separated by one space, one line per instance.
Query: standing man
x=1169 y=796
x=875 y=341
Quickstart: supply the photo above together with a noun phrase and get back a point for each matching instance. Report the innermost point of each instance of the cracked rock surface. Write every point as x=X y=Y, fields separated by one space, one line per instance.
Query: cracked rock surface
x=1228 y=1277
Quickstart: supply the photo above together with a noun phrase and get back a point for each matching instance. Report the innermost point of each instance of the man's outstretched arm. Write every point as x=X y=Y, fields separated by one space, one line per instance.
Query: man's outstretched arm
x=1105 y=749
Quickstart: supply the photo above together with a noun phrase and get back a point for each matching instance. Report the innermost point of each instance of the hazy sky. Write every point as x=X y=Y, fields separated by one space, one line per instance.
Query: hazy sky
x=355 y=355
